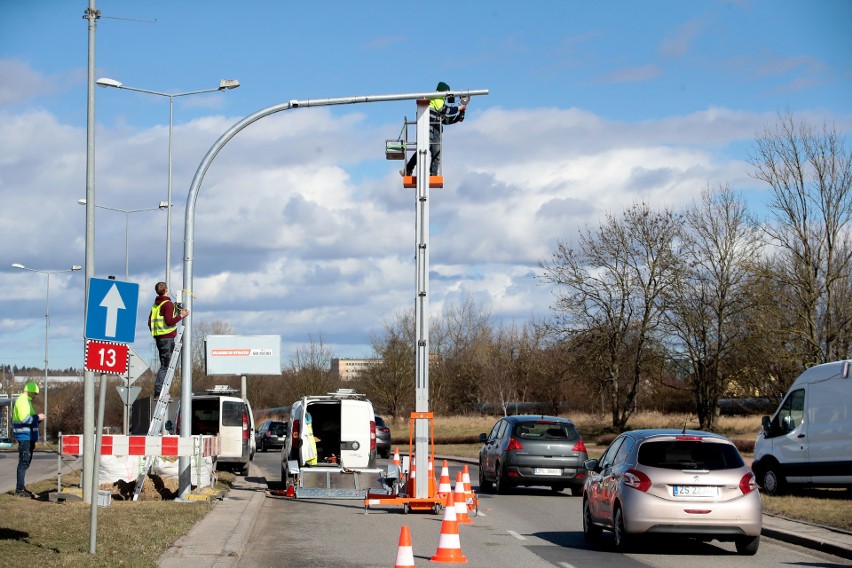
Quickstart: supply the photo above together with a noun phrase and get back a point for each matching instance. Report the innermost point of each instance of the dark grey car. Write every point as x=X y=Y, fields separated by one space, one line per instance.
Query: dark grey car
x=383 y=438
x=271 y=434
x=532 y=450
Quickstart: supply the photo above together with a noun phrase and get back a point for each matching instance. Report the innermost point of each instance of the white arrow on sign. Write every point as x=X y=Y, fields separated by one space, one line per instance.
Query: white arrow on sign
x=112 y=302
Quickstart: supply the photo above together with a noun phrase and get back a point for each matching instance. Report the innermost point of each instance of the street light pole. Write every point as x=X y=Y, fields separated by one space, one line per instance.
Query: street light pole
x=127 y=212
x=224 y=85
x=74 y=268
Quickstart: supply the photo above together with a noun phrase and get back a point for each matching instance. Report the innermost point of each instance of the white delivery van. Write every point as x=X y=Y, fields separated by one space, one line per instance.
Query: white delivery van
x=221 y=411
x=808 y=441
x=331 y=449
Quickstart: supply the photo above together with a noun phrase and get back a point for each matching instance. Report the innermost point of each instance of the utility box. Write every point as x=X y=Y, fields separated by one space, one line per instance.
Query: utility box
x=104 y=498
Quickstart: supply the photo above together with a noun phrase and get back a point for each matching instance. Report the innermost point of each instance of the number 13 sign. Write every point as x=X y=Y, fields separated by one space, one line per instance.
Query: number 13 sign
x=106 y=357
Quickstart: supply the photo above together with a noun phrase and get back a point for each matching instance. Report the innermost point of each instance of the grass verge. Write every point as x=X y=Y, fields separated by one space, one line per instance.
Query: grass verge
x=131 y=534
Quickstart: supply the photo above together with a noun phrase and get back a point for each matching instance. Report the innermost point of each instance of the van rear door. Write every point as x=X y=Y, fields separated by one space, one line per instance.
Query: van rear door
x=356 y=417
x=235 y=429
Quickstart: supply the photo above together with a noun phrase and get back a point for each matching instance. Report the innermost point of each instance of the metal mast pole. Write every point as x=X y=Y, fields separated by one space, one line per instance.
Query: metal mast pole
x=421 y=298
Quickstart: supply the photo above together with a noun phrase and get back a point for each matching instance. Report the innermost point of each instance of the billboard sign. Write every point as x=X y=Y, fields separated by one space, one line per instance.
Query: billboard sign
x=243 y=354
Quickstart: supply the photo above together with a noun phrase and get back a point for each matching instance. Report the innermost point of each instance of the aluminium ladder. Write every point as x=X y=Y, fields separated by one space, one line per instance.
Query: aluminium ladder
x=156 y=426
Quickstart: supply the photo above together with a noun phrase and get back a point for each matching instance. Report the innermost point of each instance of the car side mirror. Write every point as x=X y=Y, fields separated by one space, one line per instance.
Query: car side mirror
x=591 y=465
x=483 y=437
x=767 y=424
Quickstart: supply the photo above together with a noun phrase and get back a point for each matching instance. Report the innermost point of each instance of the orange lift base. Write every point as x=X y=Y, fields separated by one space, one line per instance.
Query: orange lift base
x=411 y=181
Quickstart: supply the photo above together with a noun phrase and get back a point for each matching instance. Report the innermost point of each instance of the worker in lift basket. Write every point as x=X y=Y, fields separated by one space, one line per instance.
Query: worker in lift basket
x=309 y=453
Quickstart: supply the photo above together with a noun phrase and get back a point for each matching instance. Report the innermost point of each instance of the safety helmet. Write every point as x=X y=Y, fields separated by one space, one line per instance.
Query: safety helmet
x=31 y=386
x=442 y=87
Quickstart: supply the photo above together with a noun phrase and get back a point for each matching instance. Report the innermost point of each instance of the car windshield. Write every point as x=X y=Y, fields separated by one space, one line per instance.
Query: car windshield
x=689 y=454
x=546 y=430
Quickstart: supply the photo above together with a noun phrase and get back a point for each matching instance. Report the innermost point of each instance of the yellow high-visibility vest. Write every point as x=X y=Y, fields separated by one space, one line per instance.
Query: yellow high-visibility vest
x=158 y=322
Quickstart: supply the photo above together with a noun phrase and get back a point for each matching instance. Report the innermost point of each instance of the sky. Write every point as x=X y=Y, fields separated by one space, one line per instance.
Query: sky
x=302 y=228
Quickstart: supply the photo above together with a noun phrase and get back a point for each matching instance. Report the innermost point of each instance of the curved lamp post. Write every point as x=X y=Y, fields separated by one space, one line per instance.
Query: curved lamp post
x=184 y=476
x=224 y=85
x=74 y=268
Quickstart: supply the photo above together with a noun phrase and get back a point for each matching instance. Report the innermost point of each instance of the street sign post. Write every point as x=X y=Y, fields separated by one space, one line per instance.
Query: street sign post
x=111 y=310
x=106 y=357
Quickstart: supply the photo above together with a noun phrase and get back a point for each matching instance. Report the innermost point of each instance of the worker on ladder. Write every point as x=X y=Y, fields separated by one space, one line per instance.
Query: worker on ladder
x=162 y=321
x=440 y=112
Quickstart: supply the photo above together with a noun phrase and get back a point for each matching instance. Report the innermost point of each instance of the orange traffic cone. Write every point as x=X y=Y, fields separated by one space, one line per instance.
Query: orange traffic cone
x=468 y=492
x=396 y=461
x=404 y=553
x=444 y=485
x=410 y=487
x=460 y=501
x=432 y=484
x=449 y=545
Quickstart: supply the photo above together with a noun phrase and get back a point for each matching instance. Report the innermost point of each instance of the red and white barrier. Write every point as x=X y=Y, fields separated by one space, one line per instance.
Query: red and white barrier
x=170 y=446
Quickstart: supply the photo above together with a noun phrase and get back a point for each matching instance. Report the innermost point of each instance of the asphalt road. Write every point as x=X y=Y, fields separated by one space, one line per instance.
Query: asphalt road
x=530 y=527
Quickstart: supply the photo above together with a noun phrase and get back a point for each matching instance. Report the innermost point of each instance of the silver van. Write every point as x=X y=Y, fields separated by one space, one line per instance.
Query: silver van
x=808 y=441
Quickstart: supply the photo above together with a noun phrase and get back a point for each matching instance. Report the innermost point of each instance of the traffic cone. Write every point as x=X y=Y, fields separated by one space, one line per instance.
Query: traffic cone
x=449 y=545
x=444 y=485
x=410 y=487
x=468 y=492
x=460 y=501
x=404 y=553
x=396 y=461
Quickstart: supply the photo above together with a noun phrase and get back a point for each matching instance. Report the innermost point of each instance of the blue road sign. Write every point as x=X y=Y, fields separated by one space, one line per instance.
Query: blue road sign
x=111 y=310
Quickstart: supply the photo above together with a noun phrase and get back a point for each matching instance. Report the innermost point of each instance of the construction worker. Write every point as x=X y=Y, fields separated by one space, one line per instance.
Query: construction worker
x=162 y=321
x=309 y=456
x=25 y=428
x=440 y=112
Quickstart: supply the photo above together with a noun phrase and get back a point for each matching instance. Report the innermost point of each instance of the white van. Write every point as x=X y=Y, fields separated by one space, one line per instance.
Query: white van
x=344 y=441
x=221 y=411
x=808 y=441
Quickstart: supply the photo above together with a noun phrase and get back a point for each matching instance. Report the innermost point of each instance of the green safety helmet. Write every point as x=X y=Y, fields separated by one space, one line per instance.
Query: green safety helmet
x=31 y=386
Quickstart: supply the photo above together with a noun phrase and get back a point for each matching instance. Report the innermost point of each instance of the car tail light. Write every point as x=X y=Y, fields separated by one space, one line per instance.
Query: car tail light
x=637 y=480
x=689 y=438
x=245 y=426
x=514 y=445
x=748 y=483
x=296 y=429
x=372 y=435
x=268 y=434
x=579 y=447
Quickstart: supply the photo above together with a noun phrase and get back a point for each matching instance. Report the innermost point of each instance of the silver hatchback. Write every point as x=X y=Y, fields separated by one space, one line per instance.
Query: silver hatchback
x=675 y=483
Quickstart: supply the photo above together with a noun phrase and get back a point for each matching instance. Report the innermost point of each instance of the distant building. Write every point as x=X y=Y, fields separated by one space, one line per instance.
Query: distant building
x=350 y=369
x=52 y=379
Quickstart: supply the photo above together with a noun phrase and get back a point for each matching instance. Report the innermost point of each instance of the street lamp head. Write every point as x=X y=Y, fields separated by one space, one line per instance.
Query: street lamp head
x=17 y=265
x=76 y=267
x=105 y=82
x=81 y=201
x=227 y=84
x=164 y=204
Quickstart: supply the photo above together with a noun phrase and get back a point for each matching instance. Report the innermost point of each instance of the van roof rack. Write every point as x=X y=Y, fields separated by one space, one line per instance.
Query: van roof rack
x=222 y=389
x=346 y=393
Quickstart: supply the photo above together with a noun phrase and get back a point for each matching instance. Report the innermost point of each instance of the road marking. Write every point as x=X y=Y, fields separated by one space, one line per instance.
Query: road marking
x=516 y=535
x=566 y=565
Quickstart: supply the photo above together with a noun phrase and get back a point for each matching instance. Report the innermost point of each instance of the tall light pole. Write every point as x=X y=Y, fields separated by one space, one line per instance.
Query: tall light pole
x=224 y=85
x=74 y=268
x=127 y=212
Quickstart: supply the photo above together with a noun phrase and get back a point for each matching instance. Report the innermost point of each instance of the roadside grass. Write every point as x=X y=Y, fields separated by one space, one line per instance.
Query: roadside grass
x=131 y=534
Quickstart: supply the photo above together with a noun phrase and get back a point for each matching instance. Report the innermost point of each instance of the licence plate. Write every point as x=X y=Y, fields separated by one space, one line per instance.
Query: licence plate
x=695 y=491
x=546 y=471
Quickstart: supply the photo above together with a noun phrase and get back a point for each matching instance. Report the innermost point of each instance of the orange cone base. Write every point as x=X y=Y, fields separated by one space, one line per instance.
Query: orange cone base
x=451 y=555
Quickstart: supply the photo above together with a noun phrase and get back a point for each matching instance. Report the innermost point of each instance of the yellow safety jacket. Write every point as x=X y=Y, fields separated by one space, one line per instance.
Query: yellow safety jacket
x=158 y=322
x=24 y=419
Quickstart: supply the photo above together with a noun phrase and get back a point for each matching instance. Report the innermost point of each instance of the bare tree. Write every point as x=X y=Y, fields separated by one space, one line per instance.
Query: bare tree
x=389 y=383
x=612 y=284
x=810 y=174
x=310 y=367
x=710 y=295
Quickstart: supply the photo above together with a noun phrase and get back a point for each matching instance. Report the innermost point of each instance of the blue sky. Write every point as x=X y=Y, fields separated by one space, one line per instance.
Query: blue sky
x=302 y=227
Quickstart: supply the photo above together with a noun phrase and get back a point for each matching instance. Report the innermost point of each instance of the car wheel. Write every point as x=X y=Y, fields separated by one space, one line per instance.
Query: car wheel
x=386 y=454
x=484 y=484
x=557 y=488
x=747 y=545
x=243 y=469
x=577 y=490
x=262 y=446
x=591 y=531
x=622 y=539
x=500 y=479
x=773 y=482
